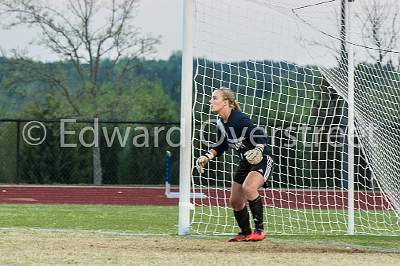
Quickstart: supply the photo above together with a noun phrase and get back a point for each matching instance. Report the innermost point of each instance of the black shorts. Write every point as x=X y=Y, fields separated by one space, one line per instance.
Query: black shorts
x=265 y=168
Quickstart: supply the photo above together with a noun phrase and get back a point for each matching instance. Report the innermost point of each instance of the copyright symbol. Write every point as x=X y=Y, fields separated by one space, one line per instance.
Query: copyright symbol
x=34 y=133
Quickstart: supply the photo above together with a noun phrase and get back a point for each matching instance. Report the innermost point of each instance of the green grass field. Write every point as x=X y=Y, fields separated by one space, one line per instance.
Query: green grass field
x=99 y=234
x=134 y=219
x=302 y=221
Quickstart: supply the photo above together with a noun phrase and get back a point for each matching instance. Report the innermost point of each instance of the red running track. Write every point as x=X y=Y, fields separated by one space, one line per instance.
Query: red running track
x=85 y=195
x=306 y=199
x=155 y=196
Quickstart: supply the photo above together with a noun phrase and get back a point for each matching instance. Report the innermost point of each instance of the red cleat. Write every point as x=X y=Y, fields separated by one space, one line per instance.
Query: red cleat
x=257 y=235
x=240 y=238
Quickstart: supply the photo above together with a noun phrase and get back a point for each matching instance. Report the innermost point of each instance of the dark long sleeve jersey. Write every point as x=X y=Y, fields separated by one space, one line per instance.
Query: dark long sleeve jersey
x=240 y=133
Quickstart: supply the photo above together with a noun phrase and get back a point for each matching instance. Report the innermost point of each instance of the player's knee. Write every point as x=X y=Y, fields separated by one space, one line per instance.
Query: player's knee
x=249 y=191
x=236 y=203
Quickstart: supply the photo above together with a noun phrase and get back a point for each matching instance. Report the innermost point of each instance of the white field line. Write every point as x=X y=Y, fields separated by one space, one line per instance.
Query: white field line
x=72 y=231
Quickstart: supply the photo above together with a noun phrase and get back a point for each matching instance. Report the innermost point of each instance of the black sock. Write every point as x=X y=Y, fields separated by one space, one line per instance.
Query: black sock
x=243 y=219
x=257 y=210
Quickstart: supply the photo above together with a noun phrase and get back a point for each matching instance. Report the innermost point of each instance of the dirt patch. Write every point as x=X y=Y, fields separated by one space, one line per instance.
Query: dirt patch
x=27 y=247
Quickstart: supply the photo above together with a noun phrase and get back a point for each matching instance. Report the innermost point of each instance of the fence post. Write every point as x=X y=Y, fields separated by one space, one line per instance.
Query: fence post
x=167 y=178
x=18 y=155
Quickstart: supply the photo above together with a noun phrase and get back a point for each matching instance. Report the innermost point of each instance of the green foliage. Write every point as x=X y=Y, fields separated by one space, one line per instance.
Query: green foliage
x=167 y=72
x=8 y=142
x=124 y=165
x=138 y=100
x=152 y=103
x=49 y=163
x=22 y=85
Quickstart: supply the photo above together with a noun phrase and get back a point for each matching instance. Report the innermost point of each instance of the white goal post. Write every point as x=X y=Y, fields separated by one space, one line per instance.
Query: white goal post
x=323 y=81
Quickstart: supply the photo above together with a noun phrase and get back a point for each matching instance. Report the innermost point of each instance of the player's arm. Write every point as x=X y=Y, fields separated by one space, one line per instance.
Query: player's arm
x=220 y=147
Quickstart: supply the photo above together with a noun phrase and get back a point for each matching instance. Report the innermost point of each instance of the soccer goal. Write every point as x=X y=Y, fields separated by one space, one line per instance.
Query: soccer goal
x=323 y=80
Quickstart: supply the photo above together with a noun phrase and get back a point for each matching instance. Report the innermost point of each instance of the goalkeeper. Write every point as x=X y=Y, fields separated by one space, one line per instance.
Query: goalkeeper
x=236 y=130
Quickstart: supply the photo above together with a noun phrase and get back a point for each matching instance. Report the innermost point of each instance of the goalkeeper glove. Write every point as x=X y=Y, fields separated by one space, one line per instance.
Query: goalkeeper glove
x=255 y=155
x=202 y=161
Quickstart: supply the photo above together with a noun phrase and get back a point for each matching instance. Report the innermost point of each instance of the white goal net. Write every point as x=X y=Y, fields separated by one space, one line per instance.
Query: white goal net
x=287 y=62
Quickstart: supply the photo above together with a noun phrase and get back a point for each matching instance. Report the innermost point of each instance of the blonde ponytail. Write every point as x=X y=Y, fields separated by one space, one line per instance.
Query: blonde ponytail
x=230 y=96
x=236 y=105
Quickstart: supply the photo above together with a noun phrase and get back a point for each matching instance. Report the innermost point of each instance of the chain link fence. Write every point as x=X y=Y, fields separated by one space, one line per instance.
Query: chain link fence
x=71 y=151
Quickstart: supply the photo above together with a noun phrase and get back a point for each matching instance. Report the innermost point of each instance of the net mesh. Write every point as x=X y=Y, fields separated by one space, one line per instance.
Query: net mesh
x=287 y=64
